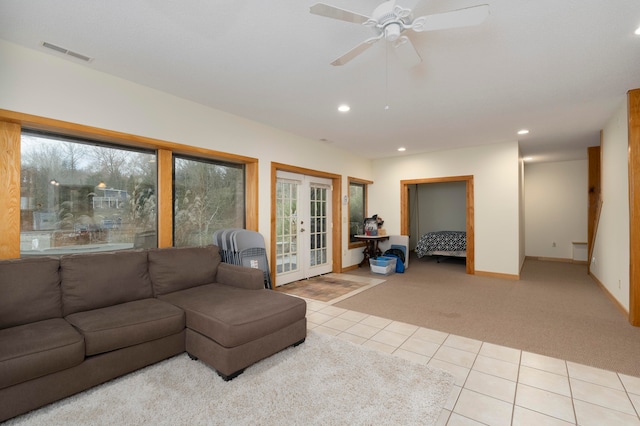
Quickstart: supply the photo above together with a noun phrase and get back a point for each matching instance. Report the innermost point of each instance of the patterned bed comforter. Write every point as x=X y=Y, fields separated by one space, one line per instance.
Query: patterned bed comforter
x=443 y=243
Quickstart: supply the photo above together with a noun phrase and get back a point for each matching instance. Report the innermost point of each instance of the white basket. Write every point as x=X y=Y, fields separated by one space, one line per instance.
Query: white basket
x=383 y=265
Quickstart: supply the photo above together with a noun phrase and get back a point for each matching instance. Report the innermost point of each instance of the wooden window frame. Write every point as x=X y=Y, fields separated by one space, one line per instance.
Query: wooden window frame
x=11 y=125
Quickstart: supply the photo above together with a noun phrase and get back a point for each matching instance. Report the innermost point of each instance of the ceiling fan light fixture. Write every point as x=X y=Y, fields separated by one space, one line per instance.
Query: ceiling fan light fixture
x=392 y=31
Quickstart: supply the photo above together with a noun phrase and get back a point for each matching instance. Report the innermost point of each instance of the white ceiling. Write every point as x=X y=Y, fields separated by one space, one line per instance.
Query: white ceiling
x=559 y=68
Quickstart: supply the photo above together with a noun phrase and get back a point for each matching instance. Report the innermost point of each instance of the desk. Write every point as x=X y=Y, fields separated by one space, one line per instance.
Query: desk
x=371 y=249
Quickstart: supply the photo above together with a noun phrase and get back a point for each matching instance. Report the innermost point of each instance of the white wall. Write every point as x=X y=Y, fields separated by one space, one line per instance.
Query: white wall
x=556 y=204
x=496 y=196
x=440 y=206
x=610 y=261
x=44 y=85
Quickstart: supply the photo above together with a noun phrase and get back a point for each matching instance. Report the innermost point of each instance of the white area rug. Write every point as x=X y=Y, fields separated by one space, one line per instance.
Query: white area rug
x=324 y=381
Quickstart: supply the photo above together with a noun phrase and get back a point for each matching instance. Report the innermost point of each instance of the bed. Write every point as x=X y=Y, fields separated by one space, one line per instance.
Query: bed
x=443 y=243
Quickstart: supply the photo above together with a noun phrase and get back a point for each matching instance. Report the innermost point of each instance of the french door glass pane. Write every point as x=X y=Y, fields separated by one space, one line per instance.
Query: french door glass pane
x=286 y=226
x=318 y=228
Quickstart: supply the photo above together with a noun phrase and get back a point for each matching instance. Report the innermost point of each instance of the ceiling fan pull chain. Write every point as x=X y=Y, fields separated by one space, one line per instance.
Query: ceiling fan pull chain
x=386 y=77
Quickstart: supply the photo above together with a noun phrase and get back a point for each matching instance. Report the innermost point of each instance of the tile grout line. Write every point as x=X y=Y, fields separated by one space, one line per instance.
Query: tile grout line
x=628 y=395
x=515 y=394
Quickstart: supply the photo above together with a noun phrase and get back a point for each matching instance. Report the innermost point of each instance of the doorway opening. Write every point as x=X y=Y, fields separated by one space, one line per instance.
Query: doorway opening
x=405 y=218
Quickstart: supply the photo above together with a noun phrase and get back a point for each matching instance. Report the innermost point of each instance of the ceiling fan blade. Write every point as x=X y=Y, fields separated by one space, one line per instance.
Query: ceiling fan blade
x=329 y=11
x=466 y=17
x=355 y=51
x=406 y=52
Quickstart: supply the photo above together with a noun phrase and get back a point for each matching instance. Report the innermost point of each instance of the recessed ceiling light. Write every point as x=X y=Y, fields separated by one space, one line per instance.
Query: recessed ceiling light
x=523 y=132
x=637 y=31
x=402 y=149
x=344 y=108
x=528 y=158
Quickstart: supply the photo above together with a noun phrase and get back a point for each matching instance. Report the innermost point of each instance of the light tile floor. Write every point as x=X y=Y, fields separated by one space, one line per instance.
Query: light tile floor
x=495 y=385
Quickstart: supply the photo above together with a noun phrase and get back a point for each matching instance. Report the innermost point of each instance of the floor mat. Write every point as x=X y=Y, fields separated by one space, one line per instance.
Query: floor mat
x=328 y=288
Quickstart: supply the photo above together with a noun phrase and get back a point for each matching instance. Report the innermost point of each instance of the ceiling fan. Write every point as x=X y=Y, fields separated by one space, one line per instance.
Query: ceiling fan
x=390 y=21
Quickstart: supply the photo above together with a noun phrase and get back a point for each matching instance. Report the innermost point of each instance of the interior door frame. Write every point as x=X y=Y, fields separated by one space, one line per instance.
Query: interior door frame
x=336 y=228
x=404 y=211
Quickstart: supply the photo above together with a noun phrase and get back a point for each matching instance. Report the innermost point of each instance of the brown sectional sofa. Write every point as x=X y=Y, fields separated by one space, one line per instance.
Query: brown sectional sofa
x=72 y=322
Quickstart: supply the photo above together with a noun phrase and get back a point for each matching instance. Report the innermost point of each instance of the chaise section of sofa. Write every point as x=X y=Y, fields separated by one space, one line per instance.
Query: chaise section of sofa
x=232 y=320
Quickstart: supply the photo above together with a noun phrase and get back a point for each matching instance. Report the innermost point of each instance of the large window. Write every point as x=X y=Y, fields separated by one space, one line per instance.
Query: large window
x=80 y=195
x=207 y=196
x=357 y=207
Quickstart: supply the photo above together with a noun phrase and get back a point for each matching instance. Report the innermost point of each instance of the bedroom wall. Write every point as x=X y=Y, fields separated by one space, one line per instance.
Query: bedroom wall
x=41 y=84
x=556 y=203
x=495 y=170
x=610 y=260
x=437 y=207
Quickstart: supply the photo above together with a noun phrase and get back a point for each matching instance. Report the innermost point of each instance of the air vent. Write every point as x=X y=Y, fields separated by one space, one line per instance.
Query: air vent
x=64 y=51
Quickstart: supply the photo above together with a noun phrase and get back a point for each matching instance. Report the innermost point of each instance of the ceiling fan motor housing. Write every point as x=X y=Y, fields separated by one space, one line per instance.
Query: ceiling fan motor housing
x=391 y=19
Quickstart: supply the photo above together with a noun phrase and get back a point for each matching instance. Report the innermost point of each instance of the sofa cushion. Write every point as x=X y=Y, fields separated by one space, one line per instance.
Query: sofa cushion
x=30 y=289
x=34 y=350
x=127 y=324
x=178 y=268
x=95 y=280
x=233 y=316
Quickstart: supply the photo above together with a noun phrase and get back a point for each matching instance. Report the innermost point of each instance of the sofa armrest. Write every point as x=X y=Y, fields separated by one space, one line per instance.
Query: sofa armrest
x=240 y=276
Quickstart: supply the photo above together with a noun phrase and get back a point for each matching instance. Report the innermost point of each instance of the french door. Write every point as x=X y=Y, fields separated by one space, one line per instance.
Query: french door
x=303 y=227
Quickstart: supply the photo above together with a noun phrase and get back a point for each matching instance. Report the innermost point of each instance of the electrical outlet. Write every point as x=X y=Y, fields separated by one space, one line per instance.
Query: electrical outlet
x=593 y=260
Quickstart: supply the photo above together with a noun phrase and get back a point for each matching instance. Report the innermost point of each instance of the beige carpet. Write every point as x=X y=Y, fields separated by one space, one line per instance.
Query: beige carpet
x=555 y=309
x=324 y=381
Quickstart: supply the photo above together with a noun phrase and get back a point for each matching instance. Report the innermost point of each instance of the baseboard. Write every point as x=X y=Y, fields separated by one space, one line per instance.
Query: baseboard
x=606 y=291
x=497 y=275
x=557 y=259
x=349 y=268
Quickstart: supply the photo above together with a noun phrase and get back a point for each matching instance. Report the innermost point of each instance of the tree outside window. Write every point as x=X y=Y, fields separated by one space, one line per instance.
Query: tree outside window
x=207 y=196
